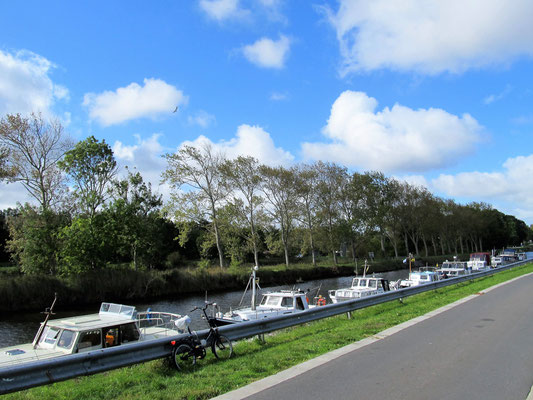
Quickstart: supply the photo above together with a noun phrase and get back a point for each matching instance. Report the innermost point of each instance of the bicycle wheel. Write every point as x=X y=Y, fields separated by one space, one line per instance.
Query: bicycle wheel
x=183 y=357
x=222 y=347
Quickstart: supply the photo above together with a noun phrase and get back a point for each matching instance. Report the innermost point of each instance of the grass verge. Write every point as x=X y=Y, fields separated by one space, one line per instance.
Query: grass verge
x=255 y=360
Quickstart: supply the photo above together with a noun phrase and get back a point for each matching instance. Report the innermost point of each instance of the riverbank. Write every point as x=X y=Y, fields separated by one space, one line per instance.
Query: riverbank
x=255 y=360
x=30 y=293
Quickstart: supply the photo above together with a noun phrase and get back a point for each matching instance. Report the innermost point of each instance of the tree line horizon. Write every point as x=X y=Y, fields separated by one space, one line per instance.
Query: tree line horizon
x=233 y=211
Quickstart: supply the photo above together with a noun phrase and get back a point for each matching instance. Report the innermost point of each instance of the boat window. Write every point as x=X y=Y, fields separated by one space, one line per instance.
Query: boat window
x=286 y=302
x=299 y=303
x=270 y=301
x=51 y=335
x=90 y=339
x=362 y=282
x=355 y=282
x=129 y=333
x=373 y=284
x=424 y=277
x=66 y=339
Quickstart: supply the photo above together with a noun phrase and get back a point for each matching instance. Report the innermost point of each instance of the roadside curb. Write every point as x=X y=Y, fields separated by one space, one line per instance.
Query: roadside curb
x=265 y=383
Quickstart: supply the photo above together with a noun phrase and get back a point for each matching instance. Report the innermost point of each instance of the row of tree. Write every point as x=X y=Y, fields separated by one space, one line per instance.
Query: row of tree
x=233 y=210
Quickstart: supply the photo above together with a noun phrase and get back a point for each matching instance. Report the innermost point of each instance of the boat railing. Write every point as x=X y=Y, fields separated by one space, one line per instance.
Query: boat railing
x=161 y=321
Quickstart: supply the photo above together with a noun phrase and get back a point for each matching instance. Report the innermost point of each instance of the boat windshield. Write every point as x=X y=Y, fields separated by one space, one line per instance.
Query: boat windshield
x=373 y=284
x=66 y=339
x=362 y=282
x=270 y=301
x=49 y=336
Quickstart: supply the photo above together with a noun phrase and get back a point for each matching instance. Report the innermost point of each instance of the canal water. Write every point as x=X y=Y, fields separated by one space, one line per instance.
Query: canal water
x=22 y=327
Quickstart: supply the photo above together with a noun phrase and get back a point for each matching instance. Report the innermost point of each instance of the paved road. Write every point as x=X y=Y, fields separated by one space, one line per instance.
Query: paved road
x=480 y=349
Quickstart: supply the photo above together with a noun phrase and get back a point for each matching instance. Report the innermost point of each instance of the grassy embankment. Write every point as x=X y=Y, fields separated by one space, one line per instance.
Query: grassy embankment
x=121 y=284
x=254 y=360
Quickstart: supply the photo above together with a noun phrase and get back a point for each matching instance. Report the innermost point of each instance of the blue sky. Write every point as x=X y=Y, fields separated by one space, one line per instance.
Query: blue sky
x=437 y=93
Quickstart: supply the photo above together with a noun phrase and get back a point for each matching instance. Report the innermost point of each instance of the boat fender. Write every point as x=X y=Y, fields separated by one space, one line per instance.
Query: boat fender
x=183 y=322
x=321 y=301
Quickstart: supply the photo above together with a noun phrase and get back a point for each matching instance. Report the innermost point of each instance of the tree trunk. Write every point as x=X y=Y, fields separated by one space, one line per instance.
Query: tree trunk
x=425 y=244
x=406 y=243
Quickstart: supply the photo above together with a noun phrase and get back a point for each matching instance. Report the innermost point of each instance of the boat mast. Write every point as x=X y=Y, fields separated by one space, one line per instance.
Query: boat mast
x=48 y=312
x=254 y=269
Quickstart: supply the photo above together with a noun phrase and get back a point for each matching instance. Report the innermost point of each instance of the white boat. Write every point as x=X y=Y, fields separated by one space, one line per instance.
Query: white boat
x=114 y=325
x=361 y=287
x=420 y=277
x=479 y=262
x=450 y=269
x=507 y=256
x=272 y=304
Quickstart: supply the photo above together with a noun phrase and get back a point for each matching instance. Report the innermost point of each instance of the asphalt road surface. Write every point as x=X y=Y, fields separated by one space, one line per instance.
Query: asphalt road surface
x=480 y=349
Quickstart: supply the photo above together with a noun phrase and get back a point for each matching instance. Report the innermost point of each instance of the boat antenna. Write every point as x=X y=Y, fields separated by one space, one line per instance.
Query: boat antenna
x=48 y=311
x=246 y=289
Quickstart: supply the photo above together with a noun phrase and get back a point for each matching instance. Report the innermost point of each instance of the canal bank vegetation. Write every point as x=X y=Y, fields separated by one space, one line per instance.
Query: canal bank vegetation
x=93 y=228
x=255 y=360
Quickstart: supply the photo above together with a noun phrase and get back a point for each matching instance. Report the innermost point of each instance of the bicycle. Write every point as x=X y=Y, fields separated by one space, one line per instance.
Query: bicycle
x=187 y=351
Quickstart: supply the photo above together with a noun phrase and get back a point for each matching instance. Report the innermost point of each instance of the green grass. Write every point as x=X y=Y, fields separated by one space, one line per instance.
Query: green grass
x=255 y=360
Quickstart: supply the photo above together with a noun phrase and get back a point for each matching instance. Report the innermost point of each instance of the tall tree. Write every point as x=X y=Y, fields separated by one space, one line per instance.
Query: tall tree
x=92 y=166
x=243 y=177
x=135 y=212
x=31 y=148
x=331 y=179
x=306 y=185
x=198 y=170
x=281 y=196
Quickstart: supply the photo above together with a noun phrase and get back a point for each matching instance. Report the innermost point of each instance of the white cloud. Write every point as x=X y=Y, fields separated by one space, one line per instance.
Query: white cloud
x=496 y=97
x=202 y=119
x=509 y=187
x=154 y=99
x=249 y=141
x=277 y=96
x=394 y=139
x=268 y=53
x=146 y=157
x=25 y=84
x=223 y=9
x=431 y=36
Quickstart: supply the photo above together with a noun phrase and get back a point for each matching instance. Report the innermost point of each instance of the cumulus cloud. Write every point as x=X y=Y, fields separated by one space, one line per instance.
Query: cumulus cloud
x=249 y=141
x=145 y=155
x=268 y=53
x=220 y=10
x=394 y=139
x=431 y=37
x=508 y=187
x=134 y=101
x=25 y=84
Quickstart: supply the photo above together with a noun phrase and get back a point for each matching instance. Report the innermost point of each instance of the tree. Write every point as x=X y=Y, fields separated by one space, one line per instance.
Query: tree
x=331 y=179
x=35 y=239
x=30 y=150
x=134 y=212
x=280 y=192
x=92 y=166
x=199 y=171
x=243 y=176
x=306 y=186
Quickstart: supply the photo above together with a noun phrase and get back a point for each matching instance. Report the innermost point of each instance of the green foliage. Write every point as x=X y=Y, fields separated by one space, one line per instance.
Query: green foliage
x=35 y=239
x=92 y=166
x=88 y=243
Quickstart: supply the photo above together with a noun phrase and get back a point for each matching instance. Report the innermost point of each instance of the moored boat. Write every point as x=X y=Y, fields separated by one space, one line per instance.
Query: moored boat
x=361 y=287
x=114 y=325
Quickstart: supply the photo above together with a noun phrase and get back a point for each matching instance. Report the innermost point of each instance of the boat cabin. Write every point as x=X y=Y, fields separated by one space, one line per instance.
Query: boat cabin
x=479 y=261
x=114 y=325
x=361 y=287
x=272 y=304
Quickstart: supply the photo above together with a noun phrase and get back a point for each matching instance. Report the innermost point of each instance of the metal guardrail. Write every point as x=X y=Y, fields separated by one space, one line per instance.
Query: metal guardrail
x=38 y=373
